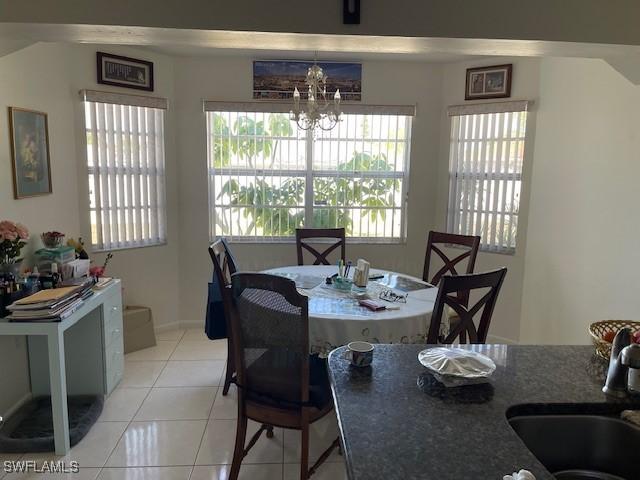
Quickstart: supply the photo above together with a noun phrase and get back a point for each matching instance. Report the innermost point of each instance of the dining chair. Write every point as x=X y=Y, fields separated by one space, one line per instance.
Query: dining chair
x=304 y=234
x=224 y=266
x=279 y=383
x=435 y=241
x=489 y=283
x=470 y=244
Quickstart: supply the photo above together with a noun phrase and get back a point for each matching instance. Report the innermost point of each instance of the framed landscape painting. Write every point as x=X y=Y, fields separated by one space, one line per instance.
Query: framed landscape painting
x=29 y=152
x=488 y=82
x=276 y=79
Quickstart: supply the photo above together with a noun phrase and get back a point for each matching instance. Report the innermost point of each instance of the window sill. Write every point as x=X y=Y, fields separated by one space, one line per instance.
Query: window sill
x=292 y=241
x=120 y=249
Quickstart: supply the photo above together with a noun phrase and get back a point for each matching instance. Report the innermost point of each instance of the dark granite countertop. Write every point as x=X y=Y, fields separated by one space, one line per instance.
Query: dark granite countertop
x=391 y=429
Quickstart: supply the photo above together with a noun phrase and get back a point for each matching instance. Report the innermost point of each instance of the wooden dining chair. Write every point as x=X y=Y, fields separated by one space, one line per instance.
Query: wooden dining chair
x=224 y=265
x=450 y=285
x=435 y=242
x=304 y=234
x=279 y=383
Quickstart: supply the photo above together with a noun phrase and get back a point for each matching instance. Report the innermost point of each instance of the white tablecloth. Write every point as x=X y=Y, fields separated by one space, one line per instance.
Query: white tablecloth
x=335 y=318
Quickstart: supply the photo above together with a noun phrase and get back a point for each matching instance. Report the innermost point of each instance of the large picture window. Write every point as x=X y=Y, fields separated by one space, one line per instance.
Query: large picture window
x=485 y=172
x=125 y=163
x=267 y=177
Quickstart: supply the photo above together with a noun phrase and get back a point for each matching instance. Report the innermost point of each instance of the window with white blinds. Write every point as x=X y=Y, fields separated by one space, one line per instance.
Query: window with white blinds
x=267 y=177
x=485 y=172
x=125 y=162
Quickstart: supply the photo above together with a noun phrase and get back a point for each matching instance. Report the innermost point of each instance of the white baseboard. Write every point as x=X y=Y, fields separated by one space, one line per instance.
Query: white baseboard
x=14 y=408
x=180 y=324
x=501 y=340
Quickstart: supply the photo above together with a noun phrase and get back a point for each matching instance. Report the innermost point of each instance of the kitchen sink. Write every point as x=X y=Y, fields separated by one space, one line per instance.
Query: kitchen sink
x=582 y=447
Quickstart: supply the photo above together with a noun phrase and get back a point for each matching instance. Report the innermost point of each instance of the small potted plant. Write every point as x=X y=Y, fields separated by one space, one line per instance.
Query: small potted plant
x=13 y=237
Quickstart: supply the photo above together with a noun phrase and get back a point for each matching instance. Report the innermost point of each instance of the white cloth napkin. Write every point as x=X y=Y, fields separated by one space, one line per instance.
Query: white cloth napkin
x=521 y=475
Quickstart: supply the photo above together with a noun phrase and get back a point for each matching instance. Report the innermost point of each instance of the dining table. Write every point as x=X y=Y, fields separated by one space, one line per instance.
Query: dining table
x=336 y=317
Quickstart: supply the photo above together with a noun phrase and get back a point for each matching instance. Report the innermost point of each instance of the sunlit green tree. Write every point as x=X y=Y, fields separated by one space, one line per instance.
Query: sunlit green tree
x=251 y=140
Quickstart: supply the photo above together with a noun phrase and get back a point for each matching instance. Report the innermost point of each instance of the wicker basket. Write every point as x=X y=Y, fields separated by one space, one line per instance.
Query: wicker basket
x=598 y=329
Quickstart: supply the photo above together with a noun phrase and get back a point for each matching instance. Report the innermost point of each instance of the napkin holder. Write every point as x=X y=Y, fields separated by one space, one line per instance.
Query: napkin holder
x=361 y=273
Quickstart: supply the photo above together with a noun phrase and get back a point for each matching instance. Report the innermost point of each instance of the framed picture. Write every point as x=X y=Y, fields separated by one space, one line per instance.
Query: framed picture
x=29 y=152
x=488 y=82
x=276 y=79
x=124 y=72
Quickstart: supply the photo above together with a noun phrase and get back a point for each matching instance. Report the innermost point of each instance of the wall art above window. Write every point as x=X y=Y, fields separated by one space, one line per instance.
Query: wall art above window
x=488 y=82
x=124 y=71
x=277 y=79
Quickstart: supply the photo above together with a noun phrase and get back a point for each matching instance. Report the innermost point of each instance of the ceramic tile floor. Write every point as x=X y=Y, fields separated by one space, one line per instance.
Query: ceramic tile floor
x=168 y=420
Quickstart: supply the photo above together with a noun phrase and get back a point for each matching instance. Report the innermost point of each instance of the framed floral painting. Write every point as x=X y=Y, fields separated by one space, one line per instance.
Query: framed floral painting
x=29 y=152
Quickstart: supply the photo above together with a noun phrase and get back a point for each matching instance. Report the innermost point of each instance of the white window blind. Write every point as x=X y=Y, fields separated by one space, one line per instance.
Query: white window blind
x=485 y=174
x=267 y=177
x=125 y=160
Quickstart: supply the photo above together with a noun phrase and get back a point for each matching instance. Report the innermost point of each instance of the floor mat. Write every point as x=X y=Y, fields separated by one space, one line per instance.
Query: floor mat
x=30 y=429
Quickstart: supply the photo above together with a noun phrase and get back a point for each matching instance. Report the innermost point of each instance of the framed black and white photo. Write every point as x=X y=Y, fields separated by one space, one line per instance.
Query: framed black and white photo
x=488 y=82
x=125 y=72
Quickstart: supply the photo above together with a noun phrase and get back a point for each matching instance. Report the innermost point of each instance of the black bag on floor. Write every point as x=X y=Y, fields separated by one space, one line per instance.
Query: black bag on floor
x=215 y=325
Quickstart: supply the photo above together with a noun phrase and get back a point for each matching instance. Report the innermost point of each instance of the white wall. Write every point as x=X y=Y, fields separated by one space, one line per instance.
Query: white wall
x=582 y=252
x=47 y=77
x=229 y=78
x=505 y=325
x=23 y=84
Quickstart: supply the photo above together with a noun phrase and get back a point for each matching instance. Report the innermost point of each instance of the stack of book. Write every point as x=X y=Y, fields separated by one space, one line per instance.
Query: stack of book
x=51 y=305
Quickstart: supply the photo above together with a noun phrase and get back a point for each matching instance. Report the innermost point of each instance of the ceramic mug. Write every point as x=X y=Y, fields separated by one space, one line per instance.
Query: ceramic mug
x=359 y=353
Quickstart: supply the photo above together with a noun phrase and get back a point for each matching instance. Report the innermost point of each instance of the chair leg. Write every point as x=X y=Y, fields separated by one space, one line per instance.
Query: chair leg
x=270 y=431
x=326 y=454
x=230 y=368
x=238 y=453
x=304 y=460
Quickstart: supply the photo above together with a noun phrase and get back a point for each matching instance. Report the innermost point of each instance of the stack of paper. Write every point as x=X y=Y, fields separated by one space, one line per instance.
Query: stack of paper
x=49 y=305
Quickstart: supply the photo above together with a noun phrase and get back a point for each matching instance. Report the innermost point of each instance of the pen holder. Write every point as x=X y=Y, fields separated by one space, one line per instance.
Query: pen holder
x=342 y=283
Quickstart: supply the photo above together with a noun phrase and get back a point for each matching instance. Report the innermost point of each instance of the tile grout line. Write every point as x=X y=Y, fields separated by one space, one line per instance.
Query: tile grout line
x=140 y=407
x=206 y=425
x=136 y=412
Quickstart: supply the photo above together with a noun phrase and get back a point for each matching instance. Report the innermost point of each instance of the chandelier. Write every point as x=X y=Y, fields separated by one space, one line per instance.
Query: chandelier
x=318 y=112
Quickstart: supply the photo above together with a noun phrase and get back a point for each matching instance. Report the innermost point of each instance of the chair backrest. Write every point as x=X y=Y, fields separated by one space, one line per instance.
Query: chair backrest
x=434 y=245
x=270 y=322
x=490 y=281
x=303 y=234
x=224 y=264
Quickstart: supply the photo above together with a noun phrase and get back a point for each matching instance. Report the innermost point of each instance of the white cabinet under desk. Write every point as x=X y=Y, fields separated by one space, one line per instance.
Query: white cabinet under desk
x=83 y=354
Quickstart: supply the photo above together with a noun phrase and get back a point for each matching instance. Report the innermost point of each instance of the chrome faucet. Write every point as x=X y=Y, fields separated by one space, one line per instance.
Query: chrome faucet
x=624 y=367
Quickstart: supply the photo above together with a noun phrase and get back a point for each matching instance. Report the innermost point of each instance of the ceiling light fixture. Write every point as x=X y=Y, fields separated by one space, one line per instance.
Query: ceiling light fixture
x=319 y=111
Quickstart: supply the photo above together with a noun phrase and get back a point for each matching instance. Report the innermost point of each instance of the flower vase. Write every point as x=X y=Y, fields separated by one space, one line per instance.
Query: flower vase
x=13 y=268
